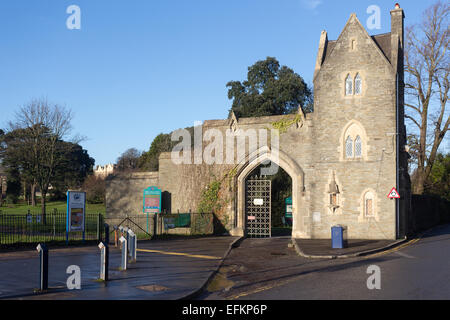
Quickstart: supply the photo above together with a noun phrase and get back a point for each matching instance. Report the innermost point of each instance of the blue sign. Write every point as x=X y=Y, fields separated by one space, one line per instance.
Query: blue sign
x=76 y=212
x=152 y=200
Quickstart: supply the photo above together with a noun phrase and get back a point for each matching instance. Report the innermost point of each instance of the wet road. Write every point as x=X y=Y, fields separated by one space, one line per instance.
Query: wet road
x=263 y=269
x=165 y=270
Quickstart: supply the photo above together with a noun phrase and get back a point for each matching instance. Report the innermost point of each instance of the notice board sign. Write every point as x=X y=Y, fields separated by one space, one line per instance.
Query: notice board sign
x=76 y=211
x=288 y=211
x=152 y=200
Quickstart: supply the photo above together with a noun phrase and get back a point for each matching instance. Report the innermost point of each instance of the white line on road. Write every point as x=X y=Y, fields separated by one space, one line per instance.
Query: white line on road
x=404 y=255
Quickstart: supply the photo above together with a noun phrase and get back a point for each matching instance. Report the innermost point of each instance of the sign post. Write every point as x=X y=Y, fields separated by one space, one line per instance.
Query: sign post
x=76 y=212
x=151 y=202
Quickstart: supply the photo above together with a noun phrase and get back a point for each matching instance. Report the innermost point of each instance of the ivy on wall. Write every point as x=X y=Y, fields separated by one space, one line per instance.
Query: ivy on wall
x=216 y=195
x=284 y=124
x=210 y=198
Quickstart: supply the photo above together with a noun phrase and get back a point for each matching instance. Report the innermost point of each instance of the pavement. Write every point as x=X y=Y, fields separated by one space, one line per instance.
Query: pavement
x=164 y=270
x=321 y=248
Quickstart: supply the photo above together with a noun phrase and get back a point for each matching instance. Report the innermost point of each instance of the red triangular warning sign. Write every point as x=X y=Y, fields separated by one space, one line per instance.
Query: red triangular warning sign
x=394 y=194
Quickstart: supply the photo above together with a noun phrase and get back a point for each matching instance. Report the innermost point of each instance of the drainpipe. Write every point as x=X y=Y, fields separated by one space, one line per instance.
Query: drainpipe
x=397 y=168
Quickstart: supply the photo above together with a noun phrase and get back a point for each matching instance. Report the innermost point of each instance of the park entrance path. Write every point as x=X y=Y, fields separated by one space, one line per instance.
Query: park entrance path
x=170 y=269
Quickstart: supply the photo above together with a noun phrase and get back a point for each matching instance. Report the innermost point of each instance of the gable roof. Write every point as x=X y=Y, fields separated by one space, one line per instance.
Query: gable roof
x=329 y=48
x=382 y=42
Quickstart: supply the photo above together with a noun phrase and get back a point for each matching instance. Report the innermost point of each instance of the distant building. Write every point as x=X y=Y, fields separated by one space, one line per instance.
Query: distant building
x=104 y=171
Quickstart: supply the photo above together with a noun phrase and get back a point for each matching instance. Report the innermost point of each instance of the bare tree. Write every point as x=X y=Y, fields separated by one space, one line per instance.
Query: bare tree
x=128 y=161
x=43 y=125
x=427 y=86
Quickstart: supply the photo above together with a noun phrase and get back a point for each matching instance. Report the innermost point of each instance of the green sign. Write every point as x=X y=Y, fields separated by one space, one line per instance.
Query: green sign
x=288 y=212
x=152 y=200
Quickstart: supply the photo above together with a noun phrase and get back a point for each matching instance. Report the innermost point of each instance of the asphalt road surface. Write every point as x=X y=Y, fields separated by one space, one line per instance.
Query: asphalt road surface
x=267 y=269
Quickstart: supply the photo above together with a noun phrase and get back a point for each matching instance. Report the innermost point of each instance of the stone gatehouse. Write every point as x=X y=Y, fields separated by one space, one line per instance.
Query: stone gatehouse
x=344 y=158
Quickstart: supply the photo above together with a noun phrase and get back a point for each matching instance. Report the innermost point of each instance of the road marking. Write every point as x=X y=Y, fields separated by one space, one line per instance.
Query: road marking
x=404 y=255
x=256 y=290
x=180 y=254
x=411 y=242
x=246 y=293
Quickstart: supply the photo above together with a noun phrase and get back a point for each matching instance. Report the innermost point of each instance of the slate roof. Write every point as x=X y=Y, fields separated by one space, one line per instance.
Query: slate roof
x=383 y=41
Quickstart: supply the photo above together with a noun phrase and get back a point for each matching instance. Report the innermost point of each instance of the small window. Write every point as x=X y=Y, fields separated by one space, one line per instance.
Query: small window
x=358 y=147
x=349 y=147
x=348 y=86
x=358 y=85
x=333 y=199
x=368 y=205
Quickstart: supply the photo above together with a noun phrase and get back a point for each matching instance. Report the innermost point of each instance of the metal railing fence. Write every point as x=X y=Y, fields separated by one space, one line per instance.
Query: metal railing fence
x=16 y=229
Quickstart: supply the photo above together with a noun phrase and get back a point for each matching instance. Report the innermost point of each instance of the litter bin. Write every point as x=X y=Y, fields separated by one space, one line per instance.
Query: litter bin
x=337 y=237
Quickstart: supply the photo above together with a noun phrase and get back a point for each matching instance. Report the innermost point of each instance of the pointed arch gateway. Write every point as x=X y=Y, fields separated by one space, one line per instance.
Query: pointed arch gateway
x=292 y=169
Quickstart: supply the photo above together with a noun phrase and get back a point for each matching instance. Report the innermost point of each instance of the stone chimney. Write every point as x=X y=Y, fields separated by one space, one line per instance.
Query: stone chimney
x=397 y=23
x=322 y=51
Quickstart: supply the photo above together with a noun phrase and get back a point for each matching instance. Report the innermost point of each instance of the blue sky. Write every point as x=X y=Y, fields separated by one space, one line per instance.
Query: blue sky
x=137 y=68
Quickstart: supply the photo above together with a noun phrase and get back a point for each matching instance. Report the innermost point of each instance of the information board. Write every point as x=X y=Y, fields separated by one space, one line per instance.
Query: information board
x=288 y=212
x=152 y=200
x=76 y=210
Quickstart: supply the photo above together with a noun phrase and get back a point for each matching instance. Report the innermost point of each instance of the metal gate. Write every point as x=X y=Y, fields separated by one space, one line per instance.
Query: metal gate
x=258 y=207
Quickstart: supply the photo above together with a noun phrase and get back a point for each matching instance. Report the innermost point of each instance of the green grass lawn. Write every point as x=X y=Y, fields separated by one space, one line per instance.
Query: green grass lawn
x=61 y=206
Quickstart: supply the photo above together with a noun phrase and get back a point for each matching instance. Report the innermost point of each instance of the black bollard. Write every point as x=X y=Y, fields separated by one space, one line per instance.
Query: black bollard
x=128 y=238
x=116 y=236
x=132 y=245
x=106 y=234
x=135 y=248
x=43 y=273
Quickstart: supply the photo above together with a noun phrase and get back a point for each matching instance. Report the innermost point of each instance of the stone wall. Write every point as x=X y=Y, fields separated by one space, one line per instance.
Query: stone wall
x=124 y=193
x=427 y=212
x=311 y=150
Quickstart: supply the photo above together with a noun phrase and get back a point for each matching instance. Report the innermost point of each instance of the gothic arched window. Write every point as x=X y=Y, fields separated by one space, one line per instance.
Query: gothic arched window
x=358 y=84
x=348 y=86
x=353 y=143
x=358 y=147
x=349 y=147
